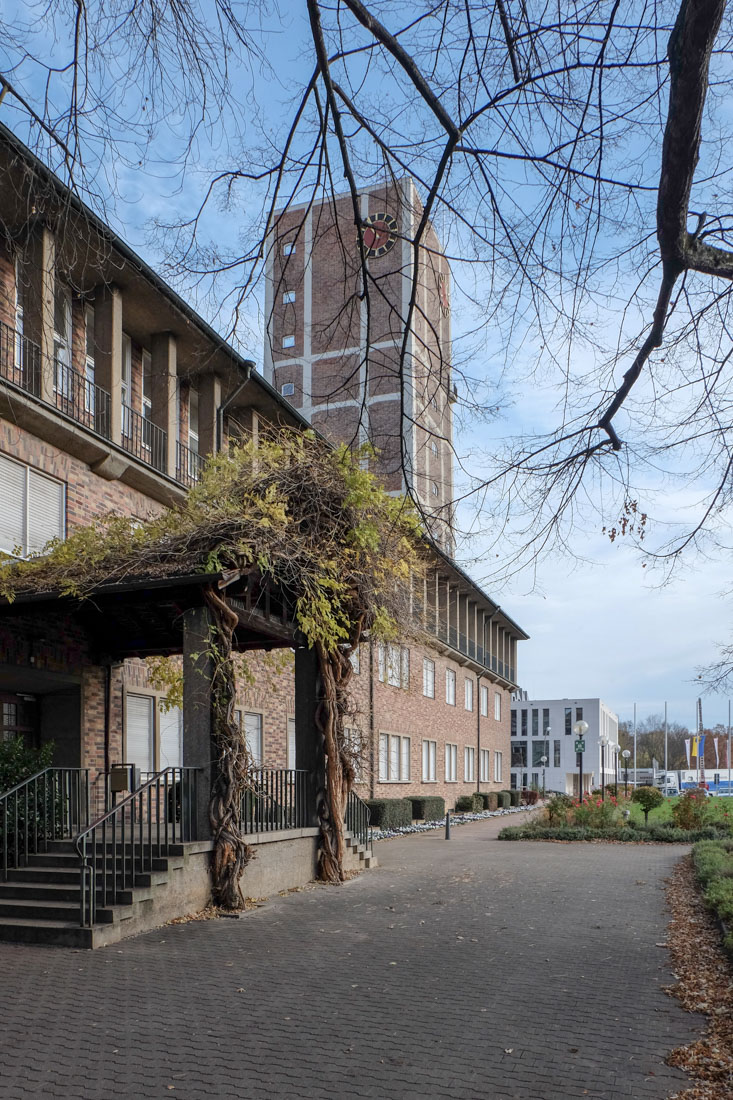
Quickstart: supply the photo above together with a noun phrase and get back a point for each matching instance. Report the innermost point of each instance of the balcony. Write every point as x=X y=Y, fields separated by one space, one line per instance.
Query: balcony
x=189 y=465
x=82 y=400
x=467 y=646
x=144 y=439
x=20 y=360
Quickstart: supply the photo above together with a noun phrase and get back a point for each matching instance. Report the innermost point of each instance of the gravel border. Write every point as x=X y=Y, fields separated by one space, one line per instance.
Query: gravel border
x=455 y=819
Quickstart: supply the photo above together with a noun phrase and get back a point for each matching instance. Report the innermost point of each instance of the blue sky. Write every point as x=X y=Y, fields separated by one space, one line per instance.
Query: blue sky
x=600 y=624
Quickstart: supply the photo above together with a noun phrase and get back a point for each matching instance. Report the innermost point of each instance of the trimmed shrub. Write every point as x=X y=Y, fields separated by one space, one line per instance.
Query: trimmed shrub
x=464 y=803
x=530 y=798
x=390 y=813
x=515 y=797
x=651 y=835
x=691 y=810
x=483 y=795
x=428 y=808
x=558 y=808
x=649 y=798
x=492 y=801
x=713 y=862
x=505 y=800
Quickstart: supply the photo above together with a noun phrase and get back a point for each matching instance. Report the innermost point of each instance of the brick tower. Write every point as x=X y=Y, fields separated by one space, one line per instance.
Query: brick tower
x=335 y=352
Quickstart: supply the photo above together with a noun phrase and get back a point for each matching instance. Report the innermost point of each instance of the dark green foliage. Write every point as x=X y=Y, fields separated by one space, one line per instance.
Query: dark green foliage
x=390 y=813
x=18 y=761
x=469 y=804
x=612 y=789
x=639 y=834
x=558 y=807
x=492 y=801
x=649 y=798
x=515 y=798
x=713 y=862
x=505 y=800
x=483 y=795
x=428 y=808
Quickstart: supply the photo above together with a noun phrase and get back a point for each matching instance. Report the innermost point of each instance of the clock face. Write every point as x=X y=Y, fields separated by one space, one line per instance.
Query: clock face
x=443 y=295
x=379 y=233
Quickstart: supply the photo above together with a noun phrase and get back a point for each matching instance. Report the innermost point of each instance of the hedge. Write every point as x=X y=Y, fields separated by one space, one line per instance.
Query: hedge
x=469 y=804
x=713 y=862
x=428 y=808
x=390 y=813
x=483 y=795
x=626 y=834
x=505 y=799
x=492 y=801
x=515 y=798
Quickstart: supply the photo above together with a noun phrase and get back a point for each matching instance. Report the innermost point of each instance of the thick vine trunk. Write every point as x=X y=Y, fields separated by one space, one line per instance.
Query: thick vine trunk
x=232 y=778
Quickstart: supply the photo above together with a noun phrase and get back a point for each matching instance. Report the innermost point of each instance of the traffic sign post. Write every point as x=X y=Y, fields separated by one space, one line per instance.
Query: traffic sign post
x=580 y=745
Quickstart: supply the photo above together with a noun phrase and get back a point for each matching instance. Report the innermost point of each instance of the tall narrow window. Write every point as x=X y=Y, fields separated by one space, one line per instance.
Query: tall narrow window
x=545 y=719
x=193 y=420
x=291 y=743
x=126 y=385
x=469 y=764
x=485 y=766
x=139 y=729
x=170 y=725
x=253 y=737
x=578 y=714
x=535 y=722
x=450 y=687
x=497 y=767
x=556 y=754
x=484 y=697
x=497 y=706
x=513 y=723
x=62 y=340
x=19 y=296
x=568 y=721
x=524 y=723
x=451 y=763
x=429 y=754
x=89 y=361
x=468 y=694
x=428 y=678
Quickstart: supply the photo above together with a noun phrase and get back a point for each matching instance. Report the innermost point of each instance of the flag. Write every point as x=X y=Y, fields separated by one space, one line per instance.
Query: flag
x=695 y=743
x=687 y=750
x=717 y=757
x=701 y=747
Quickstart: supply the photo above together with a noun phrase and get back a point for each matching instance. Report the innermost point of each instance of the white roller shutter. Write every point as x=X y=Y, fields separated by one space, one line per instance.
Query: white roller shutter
x=139 y=731
x=291 y=742
x=253 y=736
x=171 y=738
x=45 y=511
x=12 y=505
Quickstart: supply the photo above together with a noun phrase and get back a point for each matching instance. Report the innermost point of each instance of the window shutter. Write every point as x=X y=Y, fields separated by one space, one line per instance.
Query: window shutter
x=383 y=756
x=139 y=731
x=12 y=505
x=45 y=511
x=171 y=738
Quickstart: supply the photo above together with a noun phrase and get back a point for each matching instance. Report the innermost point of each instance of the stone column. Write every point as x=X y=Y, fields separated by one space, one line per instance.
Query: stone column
x=198 y=747
x=164 y=396
x=309 y=752
x=39 y=277
x=108 y=353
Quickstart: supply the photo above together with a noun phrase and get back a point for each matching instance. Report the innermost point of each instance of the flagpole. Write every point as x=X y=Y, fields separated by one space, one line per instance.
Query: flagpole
x=729 y=790
x=634 y=746
x=665 y=743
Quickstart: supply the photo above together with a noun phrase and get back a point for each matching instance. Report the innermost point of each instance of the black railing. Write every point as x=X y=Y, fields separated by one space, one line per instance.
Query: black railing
x=189 y=465
x=277 y=800
x=20 y=360
x=144 y=439
x=81 y=399
x=126 y=841
x=357 y=819
x=51 y=805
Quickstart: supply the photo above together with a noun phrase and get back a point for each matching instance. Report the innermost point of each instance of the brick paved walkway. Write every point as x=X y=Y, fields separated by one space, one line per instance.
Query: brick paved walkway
x=462 y=969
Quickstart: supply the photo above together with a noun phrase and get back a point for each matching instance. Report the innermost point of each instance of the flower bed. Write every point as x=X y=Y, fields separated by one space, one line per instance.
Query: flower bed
x=625 y=834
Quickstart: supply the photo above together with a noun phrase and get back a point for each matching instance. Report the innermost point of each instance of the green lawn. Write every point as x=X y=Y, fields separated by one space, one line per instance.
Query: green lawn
x=716 y=808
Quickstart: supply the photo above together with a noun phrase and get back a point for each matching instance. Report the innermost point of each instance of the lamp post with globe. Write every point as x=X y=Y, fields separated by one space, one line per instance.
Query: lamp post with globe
x=580 y=729
x=543 y=762
x=603 y=739
x=626 y=754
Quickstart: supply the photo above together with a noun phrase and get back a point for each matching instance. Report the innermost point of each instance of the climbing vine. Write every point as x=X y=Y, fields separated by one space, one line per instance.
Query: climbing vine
x=309 y=519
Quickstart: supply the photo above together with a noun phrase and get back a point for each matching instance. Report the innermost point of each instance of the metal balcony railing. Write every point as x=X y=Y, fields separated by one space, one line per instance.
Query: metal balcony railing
x=189 y=465
x=20 y=360
x=81 y=399
x=144 y=439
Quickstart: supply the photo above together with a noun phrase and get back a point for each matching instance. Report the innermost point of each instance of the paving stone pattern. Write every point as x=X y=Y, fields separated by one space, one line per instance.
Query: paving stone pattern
x=466 y=968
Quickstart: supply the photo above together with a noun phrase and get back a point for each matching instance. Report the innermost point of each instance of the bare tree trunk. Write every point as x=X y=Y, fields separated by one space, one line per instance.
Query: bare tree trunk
x=231 y=852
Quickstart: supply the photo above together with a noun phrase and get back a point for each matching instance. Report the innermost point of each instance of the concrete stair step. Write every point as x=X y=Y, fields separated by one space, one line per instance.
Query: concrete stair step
x=53 y=892
x=28 y=909
x=51 y=933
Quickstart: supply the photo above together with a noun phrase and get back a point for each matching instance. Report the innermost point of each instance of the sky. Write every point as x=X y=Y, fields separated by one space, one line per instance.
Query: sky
x=599 y=623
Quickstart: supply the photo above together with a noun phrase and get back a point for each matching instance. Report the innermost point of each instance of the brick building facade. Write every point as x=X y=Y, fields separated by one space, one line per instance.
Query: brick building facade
x=112 y=392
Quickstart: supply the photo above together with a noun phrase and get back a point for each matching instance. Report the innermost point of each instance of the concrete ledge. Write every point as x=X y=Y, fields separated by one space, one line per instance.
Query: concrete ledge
x=284 y=834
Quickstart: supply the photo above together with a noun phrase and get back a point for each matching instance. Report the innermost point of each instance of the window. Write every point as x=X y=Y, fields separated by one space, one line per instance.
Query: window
x=428 y=678
x=170 y=729
x=394 y=758
x=540 y=749
x=451 y=763
x=62 y=340
x=484 y=701
x=355 y=659
x=429 y=754
x=287 y=389
x=513 y=723
x=578 y=714
x=139 y=731
x=253 y=737
x=288 y=297
x=497 y=706
x=568 y=721
x=450 y=687
x=468 y=694
x=497 y=767
x=485 y=763
x=546 y=720
x=126 y=384
x=519 y=754
x=535 y=722
x=394 y=665
x=524 y=723
x=434 y=488
x=535 y=779
x=469 y=764
x=32 y=508
x=291 y=744
x=193 y=420
x=289 y=250
x=556 y=754
x=288 y=341
x=513 y=781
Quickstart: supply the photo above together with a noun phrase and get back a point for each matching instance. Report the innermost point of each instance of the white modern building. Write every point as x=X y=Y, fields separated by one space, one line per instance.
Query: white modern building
x=543 y=740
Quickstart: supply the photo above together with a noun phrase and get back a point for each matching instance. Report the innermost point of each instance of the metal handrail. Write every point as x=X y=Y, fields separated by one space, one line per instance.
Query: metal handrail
x=126 y=840
x=357 y=818
x=28 y=823
x=277 y=800
x=189 y=465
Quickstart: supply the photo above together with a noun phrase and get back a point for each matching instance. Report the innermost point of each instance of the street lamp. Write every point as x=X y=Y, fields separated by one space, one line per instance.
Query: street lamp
x=603 y=739
x=626 y=754
x=580 y=729
x=543 y=762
